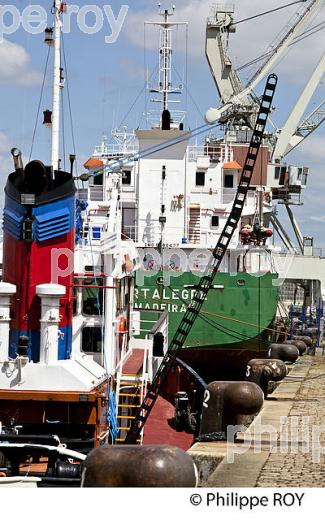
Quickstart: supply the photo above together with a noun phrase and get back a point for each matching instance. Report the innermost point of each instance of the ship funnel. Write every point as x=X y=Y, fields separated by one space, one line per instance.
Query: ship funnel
x=36 y=177
x=17 y=156
x=165 y=120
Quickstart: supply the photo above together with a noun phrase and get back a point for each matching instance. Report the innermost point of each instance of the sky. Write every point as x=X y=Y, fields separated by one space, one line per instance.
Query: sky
x=106 y=73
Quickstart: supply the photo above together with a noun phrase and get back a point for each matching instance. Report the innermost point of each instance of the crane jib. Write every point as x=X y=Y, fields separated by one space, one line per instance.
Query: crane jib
x=206 y=281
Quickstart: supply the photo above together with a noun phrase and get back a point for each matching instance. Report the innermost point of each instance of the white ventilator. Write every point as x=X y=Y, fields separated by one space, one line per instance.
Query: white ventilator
x=50 y=295
x=6 y=291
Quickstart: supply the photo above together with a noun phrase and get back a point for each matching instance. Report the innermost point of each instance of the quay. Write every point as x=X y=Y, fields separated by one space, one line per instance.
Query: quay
x=285 y=443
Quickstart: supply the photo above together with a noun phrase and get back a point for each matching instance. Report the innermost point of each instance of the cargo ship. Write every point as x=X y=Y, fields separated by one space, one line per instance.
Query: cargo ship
x=175 y=203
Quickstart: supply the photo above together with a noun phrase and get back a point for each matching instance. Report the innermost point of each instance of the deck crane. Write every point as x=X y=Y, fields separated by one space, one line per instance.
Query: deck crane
x=297 y=129
x=206 y=282
x=308 y=126
x=229 y=88
x=219 y=26
x=240 y=102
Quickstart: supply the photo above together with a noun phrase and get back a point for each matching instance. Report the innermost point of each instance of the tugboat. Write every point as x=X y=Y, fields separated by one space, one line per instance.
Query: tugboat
x=65 y=298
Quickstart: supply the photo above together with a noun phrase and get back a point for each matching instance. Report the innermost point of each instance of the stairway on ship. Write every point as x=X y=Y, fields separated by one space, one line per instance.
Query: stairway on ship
x=132 y=388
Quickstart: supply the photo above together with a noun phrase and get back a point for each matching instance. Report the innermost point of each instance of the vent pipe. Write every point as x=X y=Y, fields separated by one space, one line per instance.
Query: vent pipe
x=50 y=295
x=6 y=291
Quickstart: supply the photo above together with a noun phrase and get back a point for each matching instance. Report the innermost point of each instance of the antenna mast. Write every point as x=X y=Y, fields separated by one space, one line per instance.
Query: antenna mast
x=57 y=85
x=165 y=84
x=165 y=56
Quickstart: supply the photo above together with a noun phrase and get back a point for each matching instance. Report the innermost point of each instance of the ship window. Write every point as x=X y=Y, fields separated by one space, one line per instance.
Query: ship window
x=283 y=175
x=304 y=177
x=308 y=242
x=277 y=172
x=92 y=297
x=92 y=340
x=215 y=221
x=229 y=181
x=126 y=178
x=98 y=180
x=200 y=178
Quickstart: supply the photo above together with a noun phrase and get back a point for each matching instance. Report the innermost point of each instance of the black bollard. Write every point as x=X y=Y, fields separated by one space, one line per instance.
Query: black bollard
x=312 y=332
x=284 y=351
x=138 y=466
x=262 y=371
x=301 y=345
x=224 y=404
x=306 y=339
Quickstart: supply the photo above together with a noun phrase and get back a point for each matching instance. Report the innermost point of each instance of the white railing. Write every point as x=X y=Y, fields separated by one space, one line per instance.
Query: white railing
x=112 y=150
x=196 y=151
x=215 y=151
x=130 y=232
x=96 y=193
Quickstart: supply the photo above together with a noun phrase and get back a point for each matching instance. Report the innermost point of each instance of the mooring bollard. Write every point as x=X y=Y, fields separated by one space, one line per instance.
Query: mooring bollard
x=262 y=371
x=301 y=345
x=306 y=339
x=139 y=466
x=225 y=403
x=284 y=351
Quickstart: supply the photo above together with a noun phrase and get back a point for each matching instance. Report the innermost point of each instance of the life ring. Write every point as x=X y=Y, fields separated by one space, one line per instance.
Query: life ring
x=121 y=330
x=128 y=264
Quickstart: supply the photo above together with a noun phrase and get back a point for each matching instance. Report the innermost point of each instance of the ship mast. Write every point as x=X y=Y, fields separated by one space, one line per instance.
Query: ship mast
x=165 y=57
x=57 y=85
x=165 y=85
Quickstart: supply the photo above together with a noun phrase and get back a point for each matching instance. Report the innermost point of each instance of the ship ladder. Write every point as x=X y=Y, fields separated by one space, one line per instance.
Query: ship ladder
x=206 y=281
x=131 y=391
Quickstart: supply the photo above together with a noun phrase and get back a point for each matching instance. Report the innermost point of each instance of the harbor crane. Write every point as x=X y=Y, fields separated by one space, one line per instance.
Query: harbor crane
x=234 y=96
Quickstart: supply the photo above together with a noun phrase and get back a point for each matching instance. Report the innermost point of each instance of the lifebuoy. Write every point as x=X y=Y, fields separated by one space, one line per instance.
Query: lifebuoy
x=121 y=330
x=128 y=264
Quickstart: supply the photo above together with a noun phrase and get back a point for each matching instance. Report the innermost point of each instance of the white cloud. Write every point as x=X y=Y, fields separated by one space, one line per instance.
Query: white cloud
x=15 y=65
x=317 y=219
x=313 y=150
x=5 y=146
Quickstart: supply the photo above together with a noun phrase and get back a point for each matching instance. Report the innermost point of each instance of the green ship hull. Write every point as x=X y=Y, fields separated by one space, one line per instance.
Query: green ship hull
x=233 y=326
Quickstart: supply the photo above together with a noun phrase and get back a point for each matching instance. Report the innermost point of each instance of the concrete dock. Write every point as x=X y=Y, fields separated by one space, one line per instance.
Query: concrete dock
x=285 y=444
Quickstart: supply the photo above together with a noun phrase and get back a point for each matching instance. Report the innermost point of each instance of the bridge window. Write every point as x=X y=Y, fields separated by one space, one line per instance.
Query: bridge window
x=229 y=181
x=126 y=178
x=98 y=180
x=92 y=340
x=92 y=297
x=200 y=178
x=215 y=221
